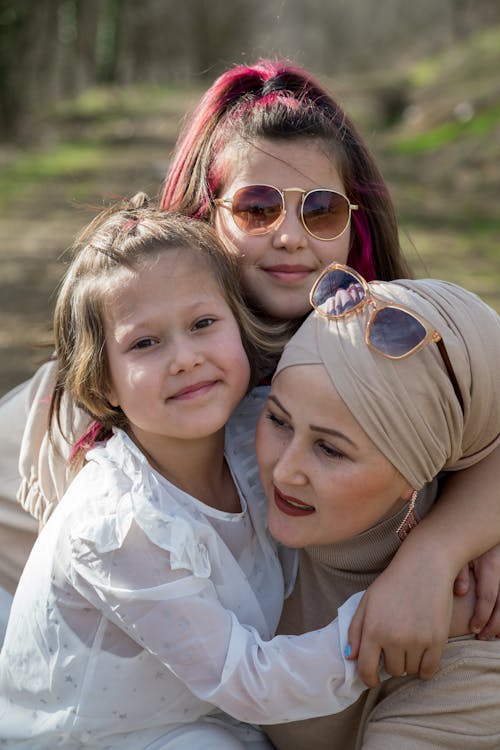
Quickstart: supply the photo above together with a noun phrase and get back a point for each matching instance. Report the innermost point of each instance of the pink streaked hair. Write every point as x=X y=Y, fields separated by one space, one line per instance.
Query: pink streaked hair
x=94 y=434
x=361 y=255
x=275 y=99
x=232 y=91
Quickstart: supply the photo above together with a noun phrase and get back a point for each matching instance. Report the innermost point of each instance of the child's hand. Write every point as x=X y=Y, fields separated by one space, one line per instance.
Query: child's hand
x=485 y=621
x=407 y=624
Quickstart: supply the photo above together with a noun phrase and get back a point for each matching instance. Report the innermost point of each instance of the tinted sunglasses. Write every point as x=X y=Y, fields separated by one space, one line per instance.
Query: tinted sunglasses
x=258 y=209
x=392 y=329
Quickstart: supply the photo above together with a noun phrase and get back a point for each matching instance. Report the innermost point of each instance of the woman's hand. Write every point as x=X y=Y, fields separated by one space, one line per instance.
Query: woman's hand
x=485 y=572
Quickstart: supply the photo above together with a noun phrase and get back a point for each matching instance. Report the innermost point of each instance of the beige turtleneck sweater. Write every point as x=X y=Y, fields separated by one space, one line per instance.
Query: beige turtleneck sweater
x=327 y=576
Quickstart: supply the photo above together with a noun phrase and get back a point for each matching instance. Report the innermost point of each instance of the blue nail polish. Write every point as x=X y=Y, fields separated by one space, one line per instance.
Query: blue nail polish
x=347 y=651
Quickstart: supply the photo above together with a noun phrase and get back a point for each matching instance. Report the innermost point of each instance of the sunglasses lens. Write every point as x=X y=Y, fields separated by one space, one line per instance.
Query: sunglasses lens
x=395 y=332
x=326 y=213
x=337 y=293
x=256 y=208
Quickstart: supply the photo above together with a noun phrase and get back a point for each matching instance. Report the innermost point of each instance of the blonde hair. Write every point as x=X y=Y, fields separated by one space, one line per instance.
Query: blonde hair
x=123 y=236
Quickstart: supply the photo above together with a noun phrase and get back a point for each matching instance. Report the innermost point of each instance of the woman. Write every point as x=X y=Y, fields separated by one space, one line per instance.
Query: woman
x=401 y=384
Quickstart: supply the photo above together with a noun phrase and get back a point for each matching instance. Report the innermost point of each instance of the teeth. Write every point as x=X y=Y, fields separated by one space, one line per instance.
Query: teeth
x=301 y=506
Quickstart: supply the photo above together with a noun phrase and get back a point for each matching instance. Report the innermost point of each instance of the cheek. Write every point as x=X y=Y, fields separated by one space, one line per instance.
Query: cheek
x=246 y=248
x=230 y=235
x=338 y=250
x=244 y=372
x=134 y=379
x=232 y=348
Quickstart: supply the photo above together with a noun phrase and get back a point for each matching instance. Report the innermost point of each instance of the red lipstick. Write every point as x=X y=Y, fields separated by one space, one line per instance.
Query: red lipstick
x=290 y=505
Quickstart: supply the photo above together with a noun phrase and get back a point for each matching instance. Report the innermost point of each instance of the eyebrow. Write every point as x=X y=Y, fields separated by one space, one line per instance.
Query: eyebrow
x=316 y=428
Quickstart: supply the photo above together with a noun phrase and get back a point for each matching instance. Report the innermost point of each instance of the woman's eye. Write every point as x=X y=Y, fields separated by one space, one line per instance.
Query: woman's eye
x=203 y=323
x=329 y=450
x=275 y=420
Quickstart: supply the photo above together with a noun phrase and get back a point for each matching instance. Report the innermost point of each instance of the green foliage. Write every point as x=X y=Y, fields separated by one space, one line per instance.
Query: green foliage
x=480 y=124
x=475 y=58
x=57 y=163
x=109 y=102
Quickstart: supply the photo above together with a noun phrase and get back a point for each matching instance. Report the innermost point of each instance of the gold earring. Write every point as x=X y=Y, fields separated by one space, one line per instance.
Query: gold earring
x=410 y=520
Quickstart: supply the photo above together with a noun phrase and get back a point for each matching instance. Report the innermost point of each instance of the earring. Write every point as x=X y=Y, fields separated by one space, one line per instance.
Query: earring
x=410 y=520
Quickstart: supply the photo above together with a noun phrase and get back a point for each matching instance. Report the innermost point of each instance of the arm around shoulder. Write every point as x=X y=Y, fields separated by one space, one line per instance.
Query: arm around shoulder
x=43 y=464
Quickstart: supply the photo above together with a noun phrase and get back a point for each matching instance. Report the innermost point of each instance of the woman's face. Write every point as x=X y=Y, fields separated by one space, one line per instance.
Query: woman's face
x=324 y=478
x=279 y=268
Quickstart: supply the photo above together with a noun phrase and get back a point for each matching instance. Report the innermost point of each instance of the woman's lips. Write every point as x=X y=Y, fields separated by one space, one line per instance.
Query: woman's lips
x=285 y=272
x=290 y=505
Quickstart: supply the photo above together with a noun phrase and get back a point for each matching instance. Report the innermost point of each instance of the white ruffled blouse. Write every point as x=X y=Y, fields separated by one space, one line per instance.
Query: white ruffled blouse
x=141 y=607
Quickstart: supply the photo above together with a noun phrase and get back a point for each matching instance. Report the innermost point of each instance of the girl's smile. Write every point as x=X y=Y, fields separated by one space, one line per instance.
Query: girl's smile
x=193 y=391
x=279 y=268
x=288 y=273
x=177 y=364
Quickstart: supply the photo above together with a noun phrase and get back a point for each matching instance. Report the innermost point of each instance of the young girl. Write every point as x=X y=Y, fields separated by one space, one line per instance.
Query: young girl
x=275 y=164
x=148 y=603
x=402 y=382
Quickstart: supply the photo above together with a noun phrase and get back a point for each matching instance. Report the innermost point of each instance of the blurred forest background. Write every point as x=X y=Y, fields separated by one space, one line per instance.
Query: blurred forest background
x=93 y=93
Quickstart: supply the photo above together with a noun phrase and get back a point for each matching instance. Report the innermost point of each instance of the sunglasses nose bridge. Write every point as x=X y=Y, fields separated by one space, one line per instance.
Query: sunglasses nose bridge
x=295 y=210
x=302 y=194
x=293 y=190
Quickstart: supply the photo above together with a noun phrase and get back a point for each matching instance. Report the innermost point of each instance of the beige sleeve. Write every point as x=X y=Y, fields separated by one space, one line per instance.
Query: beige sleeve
x=18 y=530
x=43 y=464
x=458 y=709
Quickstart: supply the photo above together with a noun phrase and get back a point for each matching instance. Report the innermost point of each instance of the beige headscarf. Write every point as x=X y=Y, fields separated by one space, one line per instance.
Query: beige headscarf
x=408 y=407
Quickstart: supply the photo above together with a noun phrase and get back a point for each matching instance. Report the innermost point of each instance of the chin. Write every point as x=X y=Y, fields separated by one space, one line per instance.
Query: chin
x=286 y=314
x=286 y=536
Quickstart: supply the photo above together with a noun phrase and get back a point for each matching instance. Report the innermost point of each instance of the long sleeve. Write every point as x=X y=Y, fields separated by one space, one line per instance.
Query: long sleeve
x=184 y=625
x=138 y=593
x=44 y=469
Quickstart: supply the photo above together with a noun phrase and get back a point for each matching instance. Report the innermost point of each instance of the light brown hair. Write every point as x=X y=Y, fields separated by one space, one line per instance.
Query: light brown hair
x=125 y=236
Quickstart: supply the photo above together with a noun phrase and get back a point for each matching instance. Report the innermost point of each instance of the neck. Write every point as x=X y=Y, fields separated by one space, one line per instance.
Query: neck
x=197 y=467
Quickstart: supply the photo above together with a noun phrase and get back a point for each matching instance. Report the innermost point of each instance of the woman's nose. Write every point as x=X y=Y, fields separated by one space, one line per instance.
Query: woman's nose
x=289 y=469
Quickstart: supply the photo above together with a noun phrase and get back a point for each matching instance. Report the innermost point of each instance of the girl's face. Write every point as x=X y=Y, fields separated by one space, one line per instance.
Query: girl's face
x=279 y=268
x=324 y=478
x=176 y=360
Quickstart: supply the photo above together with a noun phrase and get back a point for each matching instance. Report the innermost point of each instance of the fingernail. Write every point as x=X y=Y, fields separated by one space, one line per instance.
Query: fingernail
x=347 y=651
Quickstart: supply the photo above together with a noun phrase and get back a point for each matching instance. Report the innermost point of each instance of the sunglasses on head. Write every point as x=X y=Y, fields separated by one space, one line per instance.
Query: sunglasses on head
x=392 y=329
x=258 y=209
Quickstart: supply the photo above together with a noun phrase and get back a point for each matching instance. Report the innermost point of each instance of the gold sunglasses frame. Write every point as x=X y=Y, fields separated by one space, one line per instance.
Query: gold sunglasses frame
x=228 y=203
x=378 y=303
